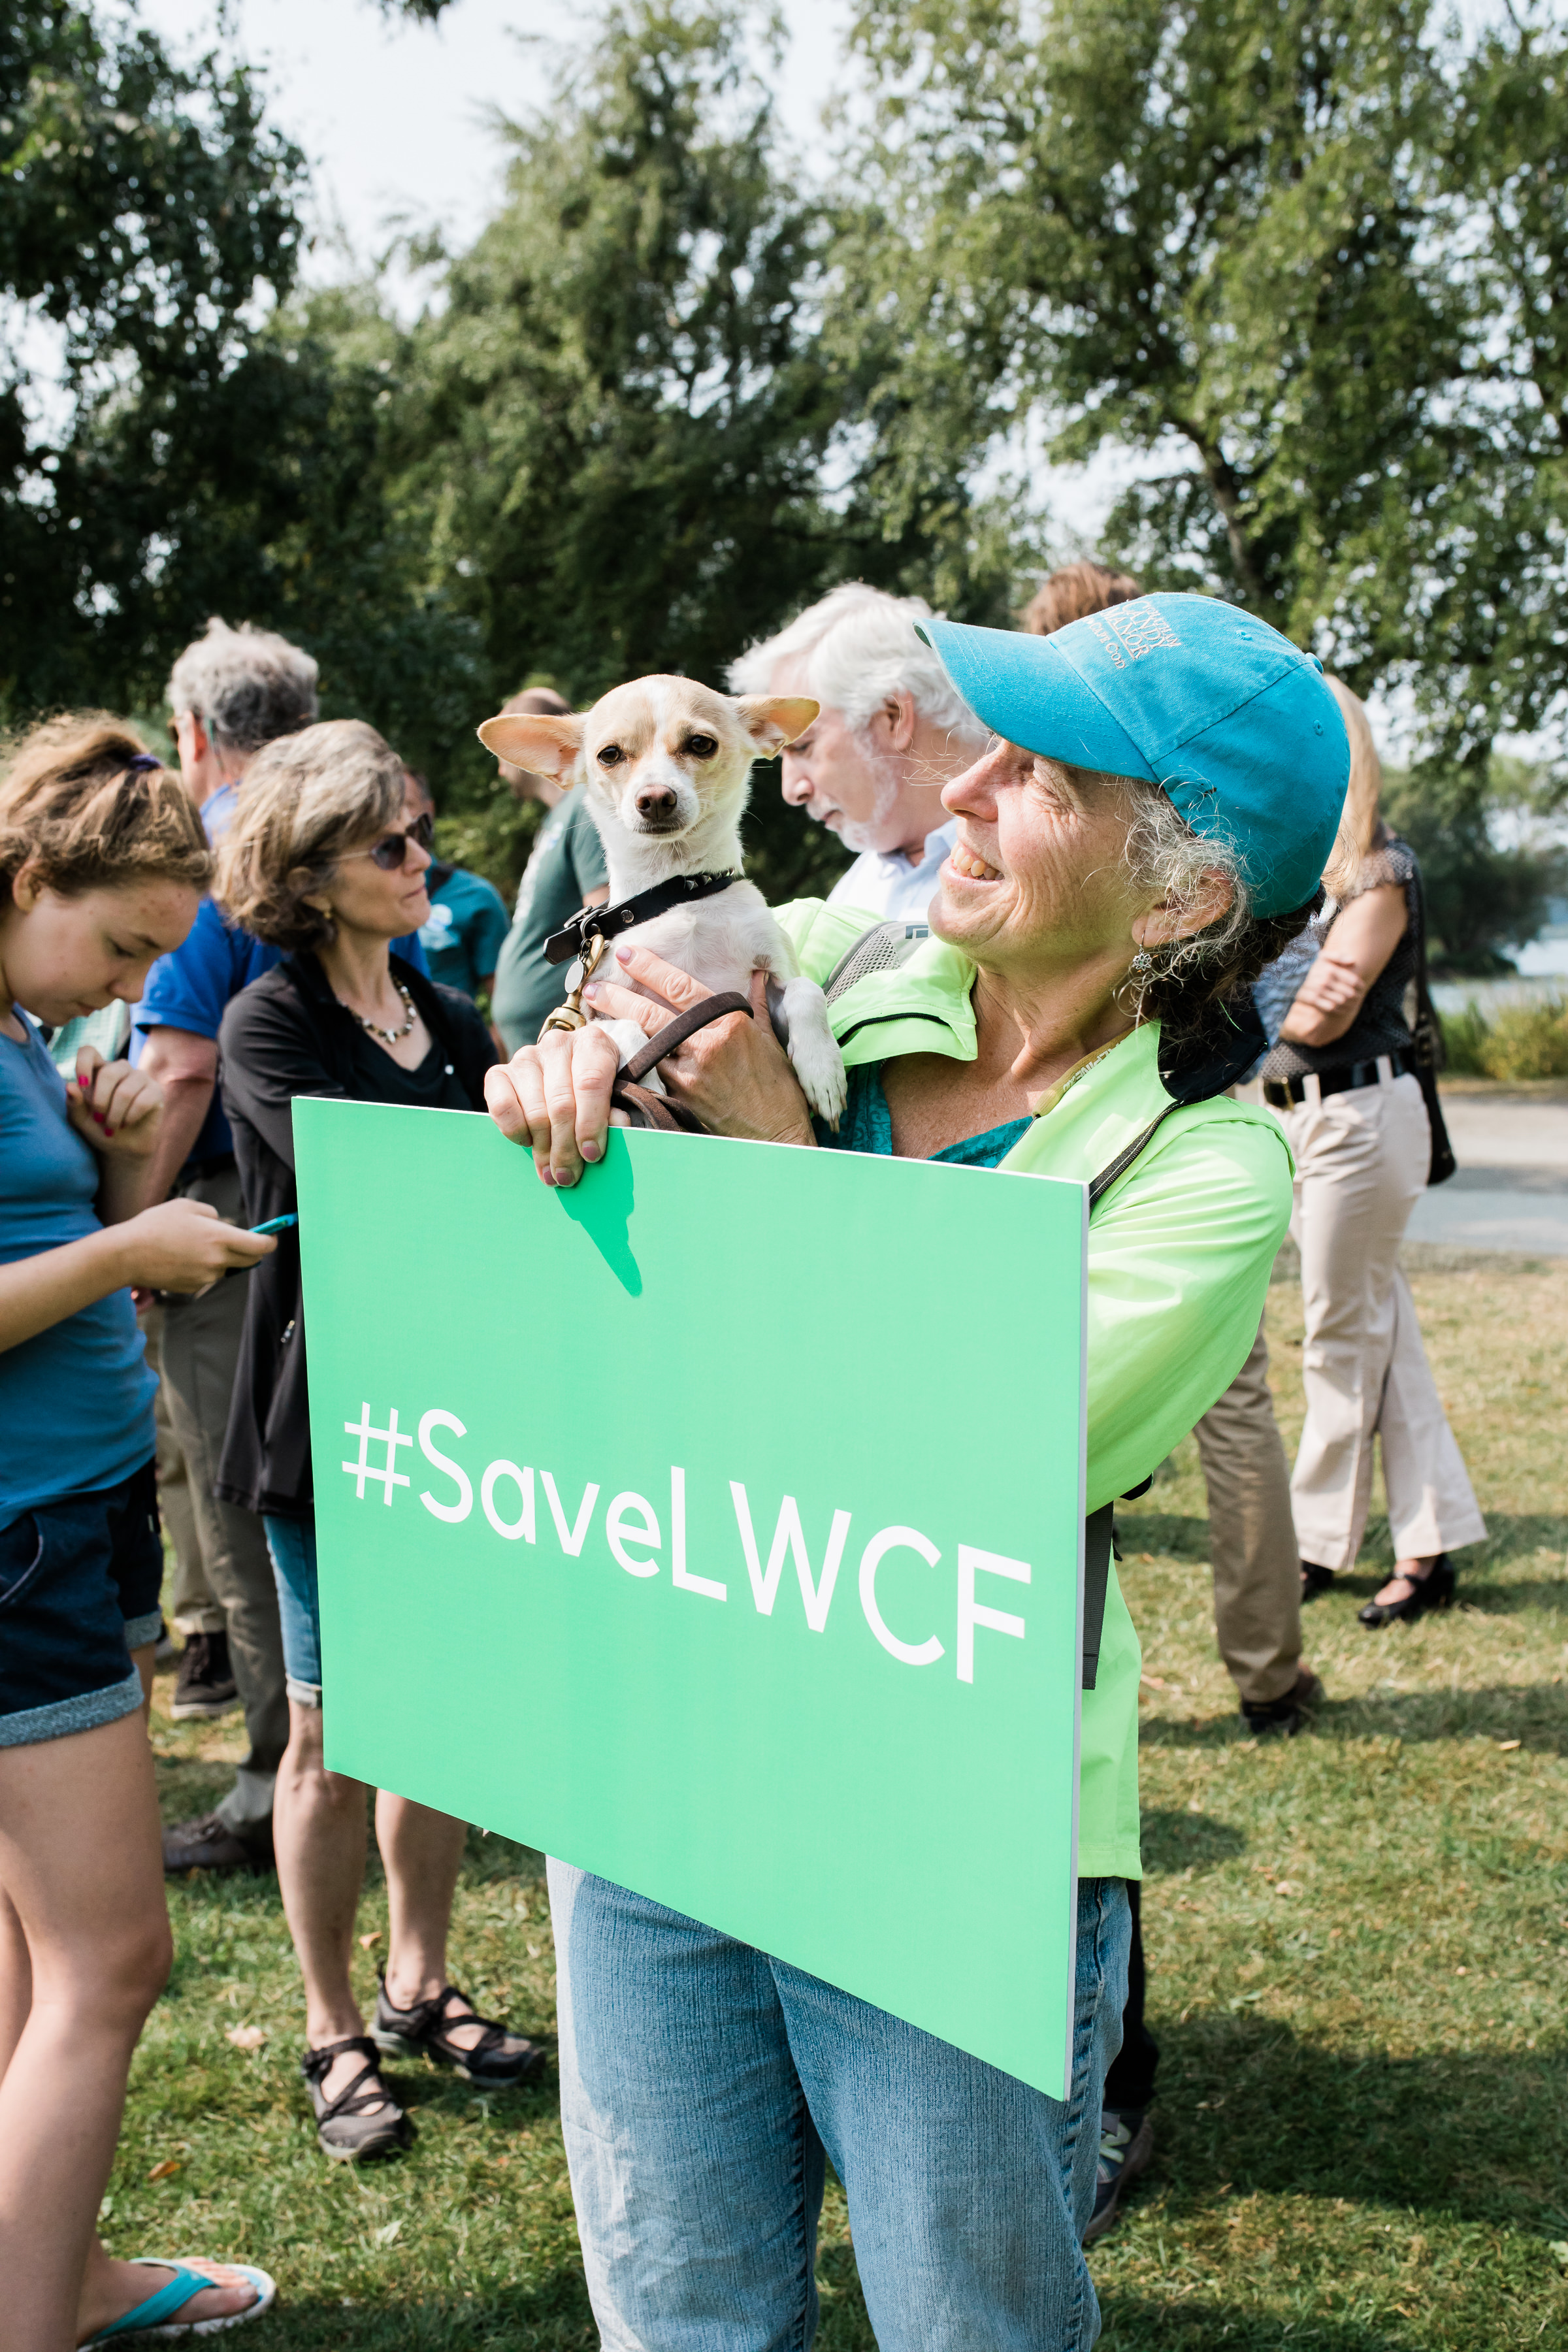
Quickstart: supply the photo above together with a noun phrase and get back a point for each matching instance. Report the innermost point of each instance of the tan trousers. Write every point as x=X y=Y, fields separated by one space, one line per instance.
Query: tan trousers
x=193 y=1607
x=1361 y=1165
x=1252 y=1540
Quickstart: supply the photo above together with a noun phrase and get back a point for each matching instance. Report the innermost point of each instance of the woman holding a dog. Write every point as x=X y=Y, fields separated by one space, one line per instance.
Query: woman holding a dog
x=1145 y=830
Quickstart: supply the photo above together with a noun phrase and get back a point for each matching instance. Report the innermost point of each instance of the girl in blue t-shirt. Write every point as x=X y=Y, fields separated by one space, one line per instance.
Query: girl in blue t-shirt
x=102 y=862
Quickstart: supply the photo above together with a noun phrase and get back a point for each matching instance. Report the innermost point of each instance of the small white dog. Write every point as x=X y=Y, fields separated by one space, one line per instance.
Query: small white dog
x=667 y=765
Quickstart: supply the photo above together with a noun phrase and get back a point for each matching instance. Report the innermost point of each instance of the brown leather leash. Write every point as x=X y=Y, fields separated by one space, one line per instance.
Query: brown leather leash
x=642 y=1106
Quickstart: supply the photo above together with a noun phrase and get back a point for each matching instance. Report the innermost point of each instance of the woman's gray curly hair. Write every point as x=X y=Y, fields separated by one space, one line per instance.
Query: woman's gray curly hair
x=308 y=800
x=1187 y=982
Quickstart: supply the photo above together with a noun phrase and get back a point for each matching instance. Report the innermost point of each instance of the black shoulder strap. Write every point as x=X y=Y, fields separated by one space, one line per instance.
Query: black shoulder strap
x=1099 y=1186
x=1098 y=1534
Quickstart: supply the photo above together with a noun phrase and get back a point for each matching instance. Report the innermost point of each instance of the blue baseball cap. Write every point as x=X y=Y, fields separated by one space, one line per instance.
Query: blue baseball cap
x=1231 y=720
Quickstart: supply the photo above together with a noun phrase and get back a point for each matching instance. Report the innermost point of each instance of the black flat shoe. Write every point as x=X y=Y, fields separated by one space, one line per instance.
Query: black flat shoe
x=430 y=2026
x=1275 y=1719
x=1315 y=1580
x=1433 y=1591
x=343 y=2128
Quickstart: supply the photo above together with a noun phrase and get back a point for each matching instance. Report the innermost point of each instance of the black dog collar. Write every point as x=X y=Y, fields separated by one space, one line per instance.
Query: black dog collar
x=605 y=922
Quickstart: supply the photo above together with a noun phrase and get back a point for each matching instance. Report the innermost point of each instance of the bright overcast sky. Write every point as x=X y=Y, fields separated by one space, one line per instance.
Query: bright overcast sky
x=392 y=114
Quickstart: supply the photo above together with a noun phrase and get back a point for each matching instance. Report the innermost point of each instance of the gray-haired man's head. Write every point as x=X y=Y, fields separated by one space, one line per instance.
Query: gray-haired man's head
x=893 y=731
x=245 y=686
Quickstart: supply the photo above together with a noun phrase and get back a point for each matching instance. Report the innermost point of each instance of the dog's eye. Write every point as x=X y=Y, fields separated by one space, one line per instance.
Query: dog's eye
x=611 y=756
x=702 y=746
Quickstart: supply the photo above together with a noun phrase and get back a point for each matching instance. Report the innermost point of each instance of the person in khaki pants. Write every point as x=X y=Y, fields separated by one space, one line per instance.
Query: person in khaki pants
x=205 y=1687
x=1343 y=1079
x=1253 y=1551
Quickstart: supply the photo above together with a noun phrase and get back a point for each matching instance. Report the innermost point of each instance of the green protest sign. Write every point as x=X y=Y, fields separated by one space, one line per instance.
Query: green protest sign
x=717 y=1527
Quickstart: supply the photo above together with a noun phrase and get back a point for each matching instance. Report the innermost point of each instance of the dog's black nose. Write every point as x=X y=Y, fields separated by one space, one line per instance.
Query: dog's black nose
x=656 y=804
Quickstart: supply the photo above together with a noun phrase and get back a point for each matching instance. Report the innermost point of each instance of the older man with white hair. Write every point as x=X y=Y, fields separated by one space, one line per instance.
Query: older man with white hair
x=893 y=731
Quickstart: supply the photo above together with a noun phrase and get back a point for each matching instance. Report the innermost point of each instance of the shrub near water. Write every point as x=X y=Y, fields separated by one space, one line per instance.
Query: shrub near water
x=1521 y=1041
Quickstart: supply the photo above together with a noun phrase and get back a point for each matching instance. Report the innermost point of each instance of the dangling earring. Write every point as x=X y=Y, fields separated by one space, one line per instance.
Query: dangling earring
x=1142 y=961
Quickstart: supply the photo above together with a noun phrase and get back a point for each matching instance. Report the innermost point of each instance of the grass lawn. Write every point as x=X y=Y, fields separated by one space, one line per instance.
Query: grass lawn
x=1356 y=1943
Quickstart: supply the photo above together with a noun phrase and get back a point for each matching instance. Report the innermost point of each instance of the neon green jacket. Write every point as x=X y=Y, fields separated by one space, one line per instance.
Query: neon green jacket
x=1179 y=1256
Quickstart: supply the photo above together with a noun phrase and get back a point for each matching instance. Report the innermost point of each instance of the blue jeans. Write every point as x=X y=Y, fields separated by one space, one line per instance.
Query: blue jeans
x=701 y=2084
x=292 y=1544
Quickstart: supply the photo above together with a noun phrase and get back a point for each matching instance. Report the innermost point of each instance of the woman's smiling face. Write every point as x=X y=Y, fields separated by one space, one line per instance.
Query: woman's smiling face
x=1039 y=872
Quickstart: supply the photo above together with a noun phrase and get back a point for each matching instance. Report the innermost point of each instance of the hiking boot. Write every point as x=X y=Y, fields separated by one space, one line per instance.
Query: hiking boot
x=204 y=1686
x=208 y=1843
x=1283 y=1718
x=1126 y=2149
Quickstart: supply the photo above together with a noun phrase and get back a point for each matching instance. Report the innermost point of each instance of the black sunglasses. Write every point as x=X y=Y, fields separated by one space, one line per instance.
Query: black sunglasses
x=392 y=852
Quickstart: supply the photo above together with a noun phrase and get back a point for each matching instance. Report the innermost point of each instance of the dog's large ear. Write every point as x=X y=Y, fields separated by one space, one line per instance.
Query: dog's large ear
x=772 y=720
x=544 y=744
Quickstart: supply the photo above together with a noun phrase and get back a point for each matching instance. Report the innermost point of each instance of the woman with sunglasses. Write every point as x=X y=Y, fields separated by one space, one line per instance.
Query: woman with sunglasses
x=323 y=862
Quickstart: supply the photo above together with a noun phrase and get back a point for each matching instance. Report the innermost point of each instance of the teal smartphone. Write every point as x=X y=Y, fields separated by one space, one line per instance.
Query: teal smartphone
x=276 y=1225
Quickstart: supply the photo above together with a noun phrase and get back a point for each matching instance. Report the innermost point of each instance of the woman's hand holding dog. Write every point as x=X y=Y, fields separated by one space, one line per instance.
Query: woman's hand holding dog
x=555 y=1097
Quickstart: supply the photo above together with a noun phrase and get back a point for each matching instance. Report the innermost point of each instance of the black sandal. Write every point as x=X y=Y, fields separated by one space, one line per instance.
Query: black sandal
x=344 y=2127
x=428 y=2027
x=1433 y=1591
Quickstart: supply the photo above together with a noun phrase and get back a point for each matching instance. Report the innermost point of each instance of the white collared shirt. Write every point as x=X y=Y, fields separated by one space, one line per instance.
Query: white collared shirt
x=890 y=886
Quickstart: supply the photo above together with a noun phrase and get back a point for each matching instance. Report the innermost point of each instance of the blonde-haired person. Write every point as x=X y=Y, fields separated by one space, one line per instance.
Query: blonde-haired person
x=102 y=863
x=321 y=862
x=1342 y=1078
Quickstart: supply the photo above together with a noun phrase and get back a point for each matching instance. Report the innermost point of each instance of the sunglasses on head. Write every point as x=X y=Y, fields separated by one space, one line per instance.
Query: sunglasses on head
x=392 y=852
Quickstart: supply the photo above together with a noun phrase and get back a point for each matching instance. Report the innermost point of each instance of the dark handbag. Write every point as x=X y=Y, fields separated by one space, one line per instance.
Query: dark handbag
x=1426 y=1035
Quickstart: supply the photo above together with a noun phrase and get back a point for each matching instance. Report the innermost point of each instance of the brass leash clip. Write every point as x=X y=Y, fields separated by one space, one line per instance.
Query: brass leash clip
x=571 y=1016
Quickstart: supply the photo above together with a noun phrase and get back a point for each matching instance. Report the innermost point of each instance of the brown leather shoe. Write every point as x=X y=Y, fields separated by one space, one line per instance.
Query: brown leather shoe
x=208 y=1843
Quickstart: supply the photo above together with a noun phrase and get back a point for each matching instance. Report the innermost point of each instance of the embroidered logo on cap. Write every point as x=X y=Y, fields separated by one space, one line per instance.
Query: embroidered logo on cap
x=1141 y=627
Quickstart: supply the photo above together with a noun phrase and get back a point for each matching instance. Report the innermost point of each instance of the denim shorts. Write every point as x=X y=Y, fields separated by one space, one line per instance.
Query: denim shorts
x=292 y=1543
x=79 y=1580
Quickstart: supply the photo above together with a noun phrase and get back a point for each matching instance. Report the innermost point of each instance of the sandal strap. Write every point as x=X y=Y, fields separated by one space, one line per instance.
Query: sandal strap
x=181 y=2287
x=432 y=2020
x=362 y=2092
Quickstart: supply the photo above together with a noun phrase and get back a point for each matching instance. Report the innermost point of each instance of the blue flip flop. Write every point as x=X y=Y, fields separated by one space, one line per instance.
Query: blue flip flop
x=155 y=2316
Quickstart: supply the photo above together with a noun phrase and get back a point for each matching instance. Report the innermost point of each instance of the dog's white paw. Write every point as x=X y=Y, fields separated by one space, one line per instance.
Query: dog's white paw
x=629 y=1041
x=820 y=1066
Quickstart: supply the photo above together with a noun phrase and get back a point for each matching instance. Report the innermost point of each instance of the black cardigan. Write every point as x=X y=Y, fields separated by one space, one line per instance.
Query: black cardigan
x=287 y=1035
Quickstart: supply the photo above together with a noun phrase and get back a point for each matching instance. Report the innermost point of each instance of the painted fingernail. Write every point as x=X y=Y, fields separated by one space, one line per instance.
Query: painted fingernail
x=624 y=953
x=109 y=1130
x=591 y=1150
x=547 y=1176
x=99 y=1116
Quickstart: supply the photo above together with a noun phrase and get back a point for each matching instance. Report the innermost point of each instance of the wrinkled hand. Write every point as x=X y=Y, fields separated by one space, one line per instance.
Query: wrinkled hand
x=1331 y=986
x=185 y=1245
x=554 y=1097
x=115 y=1108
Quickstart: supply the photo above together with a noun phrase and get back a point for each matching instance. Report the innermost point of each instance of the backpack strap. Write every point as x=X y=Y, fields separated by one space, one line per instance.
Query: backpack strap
x=881 y=948
x=1099 y=1529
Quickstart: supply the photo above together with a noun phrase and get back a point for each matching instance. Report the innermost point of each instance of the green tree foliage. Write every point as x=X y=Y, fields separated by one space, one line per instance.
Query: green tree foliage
x=1306 y=256
x=144 y=208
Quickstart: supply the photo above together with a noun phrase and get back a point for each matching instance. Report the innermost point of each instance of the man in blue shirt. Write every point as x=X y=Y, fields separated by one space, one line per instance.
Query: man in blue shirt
x=231 y=692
